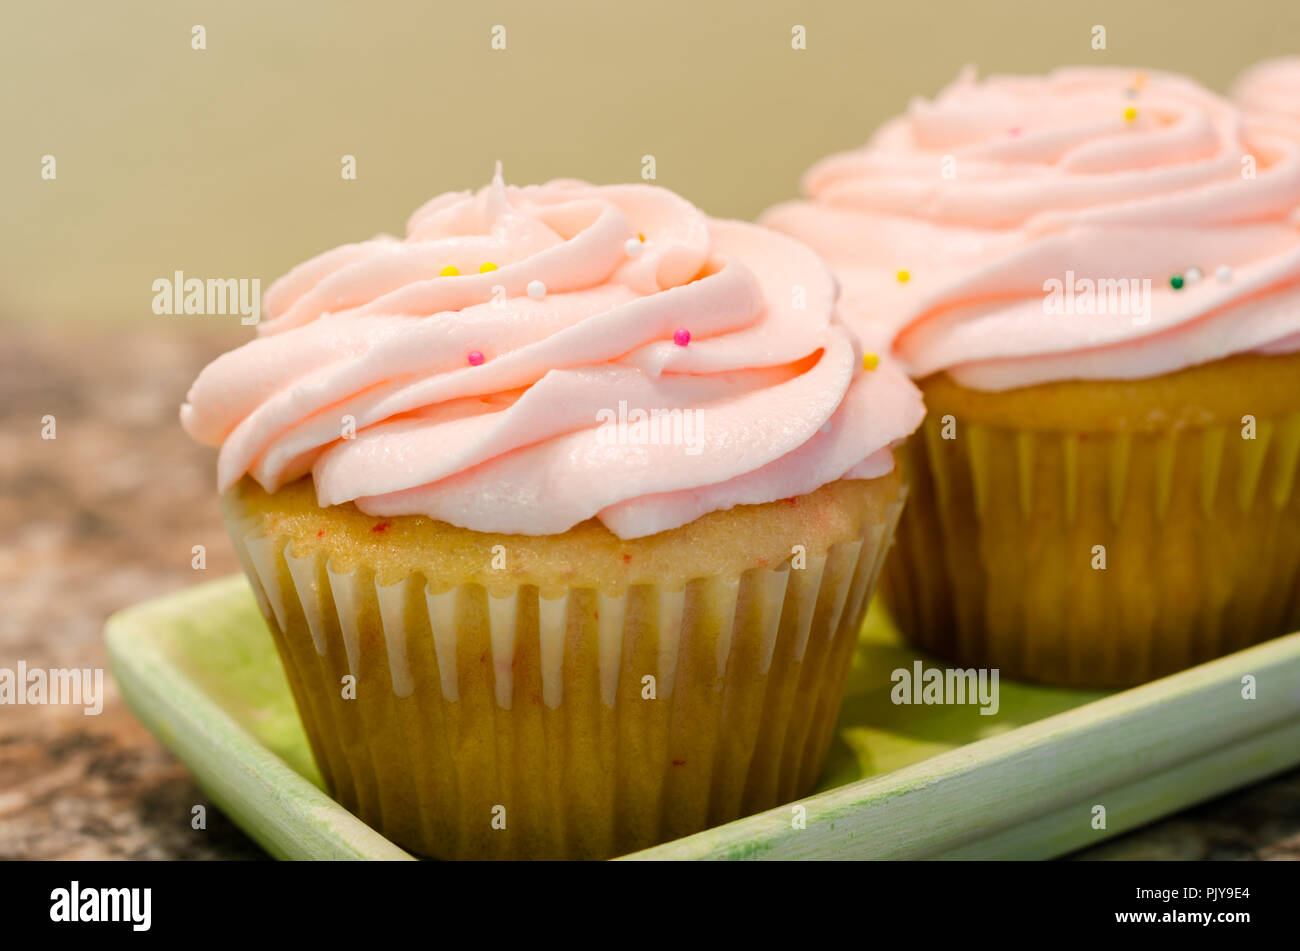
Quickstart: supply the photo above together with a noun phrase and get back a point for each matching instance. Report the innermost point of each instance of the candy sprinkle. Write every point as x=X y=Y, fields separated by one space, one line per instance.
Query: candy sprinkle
x=870 y=361
x=536 y=290
x=1223 y=273
x=632 y=246
x=1192 y=275
x=1130 y=114
x=1176 y=282
x=450 y=271
x=904 y=277
x=475 y=358
x=486 y=266
x=681 y=336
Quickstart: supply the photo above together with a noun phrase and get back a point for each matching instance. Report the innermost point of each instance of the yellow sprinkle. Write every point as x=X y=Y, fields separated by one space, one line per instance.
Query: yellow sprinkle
x=1130 y=113
x=904 y=277
x=486 y=266
x=870 y=361
x=641 y=236
x=450 y=271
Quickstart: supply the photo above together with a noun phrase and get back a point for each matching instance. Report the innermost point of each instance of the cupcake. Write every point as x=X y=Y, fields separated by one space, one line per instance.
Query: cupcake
x=1095 y=277
x=1269 y=92
x=563 y=512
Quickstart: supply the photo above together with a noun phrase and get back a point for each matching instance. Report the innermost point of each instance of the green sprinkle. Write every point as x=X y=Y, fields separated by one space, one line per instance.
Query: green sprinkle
x=1176 y=282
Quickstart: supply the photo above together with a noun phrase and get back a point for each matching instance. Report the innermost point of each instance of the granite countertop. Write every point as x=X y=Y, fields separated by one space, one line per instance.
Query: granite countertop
x=106 y=514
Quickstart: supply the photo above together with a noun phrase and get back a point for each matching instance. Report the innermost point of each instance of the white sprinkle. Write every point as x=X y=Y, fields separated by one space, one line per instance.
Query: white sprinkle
x=1192 y=275
x=632 y=246
x=1223 y=273
x=536 y=290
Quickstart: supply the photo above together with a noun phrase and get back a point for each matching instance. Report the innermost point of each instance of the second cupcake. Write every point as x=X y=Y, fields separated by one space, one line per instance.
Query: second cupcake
x=1095 y=275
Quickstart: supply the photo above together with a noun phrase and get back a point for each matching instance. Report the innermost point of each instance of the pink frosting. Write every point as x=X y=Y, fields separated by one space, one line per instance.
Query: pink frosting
x=1269 y=93
x=998 y=187
x=575 y=327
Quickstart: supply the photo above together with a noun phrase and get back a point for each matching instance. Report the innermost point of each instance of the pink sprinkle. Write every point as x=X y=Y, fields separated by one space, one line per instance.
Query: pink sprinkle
x=475 y=357
x=1013 y=131
x=681 y=336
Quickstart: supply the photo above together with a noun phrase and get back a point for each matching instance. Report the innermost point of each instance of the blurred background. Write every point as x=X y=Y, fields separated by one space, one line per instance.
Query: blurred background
x=225 y=162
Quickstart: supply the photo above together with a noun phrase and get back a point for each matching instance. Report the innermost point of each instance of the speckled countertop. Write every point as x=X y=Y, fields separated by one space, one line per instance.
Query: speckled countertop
x=106 y=514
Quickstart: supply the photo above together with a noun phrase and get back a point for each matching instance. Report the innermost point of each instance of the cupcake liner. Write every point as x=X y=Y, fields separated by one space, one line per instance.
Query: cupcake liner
x=995 y=557
x=476 y=709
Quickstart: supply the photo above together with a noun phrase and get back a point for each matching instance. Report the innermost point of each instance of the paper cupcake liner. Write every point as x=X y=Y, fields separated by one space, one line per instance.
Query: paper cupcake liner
x=583 y=726
x=998 y=561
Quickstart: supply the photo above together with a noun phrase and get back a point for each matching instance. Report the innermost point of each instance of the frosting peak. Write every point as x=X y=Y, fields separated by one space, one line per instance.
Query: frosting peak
x=514 y=364
x=1269 y=94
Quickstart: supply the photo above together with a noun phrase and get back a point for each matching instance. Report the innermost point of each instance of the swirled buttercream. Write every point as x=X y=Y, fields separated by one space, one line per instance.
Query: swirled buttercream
x=1094 y=223
x=515 y=364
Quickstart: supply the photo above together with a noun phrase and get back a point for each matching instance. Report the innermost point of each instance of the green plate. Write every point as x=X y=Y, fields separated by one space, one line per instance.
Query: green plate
x=1054 y=770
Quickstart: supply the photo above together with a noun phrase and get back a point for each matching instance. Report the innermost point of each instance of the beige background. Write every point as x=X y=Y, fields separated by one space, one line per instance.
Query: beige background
x=225 y=162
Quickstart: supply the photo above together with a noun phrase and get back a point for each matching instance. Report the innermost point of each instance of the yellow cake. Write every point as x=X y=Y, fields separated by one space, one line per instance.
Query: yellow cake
x=596 y=695
x=1103 y=533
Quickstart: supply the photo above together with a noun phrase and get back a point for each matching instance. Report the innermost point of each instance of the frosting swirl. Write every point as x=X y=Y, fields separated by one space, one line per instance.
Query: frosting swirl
x=1269 y=93
x=998 y=192
x=482 y=360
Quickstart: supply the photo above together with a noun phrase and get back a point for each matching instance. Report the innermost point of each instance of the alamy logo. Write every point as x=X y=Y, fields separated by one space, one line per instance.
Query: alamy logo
x=655 y=427
x=946 y=685
x=215 y=297
x=74 y=687
x=75 y=903
x=1120 y=297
